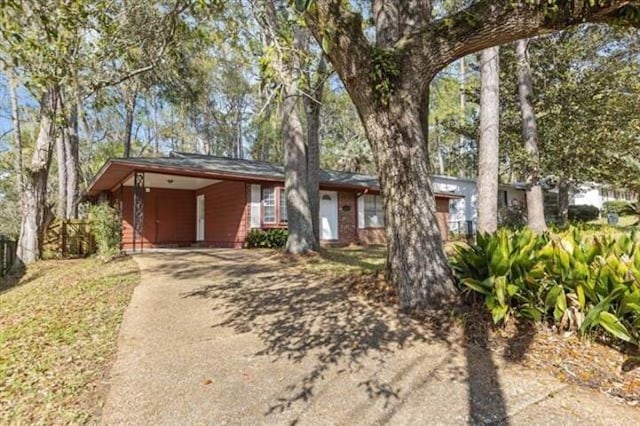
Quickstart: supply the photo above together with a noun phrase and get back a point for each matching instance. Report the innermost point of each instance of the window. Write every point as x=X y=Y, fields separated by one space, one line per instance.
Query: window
x=283 y=206
x=373 y=211
x=274 y=206
x=269 y=205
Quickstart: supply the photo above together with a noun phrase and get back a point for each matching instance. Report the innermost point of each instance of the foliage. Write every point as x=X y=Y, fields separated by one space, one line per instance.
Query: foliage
x=572 y=279
x=584 y=213
x=106 y=227
x=618 y=207
x=58 y=328
x=271 y=238
x=513 y=216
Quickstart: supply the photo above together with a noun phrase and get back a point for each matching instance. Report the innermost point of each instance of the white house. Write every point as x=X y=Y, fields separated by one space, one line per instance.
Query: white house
x=463 y=210
x=592 y=194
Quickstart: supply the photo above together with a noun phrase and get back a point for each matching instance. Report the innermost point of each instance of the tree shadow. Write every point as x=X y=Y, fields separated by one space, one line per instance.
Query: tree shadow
x=299 y=317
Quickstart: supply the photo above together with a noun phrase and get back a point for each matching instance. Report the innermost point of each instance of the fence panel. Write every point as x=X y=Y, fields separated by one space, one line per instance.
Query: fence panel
x=7 y=254
x=69 y=238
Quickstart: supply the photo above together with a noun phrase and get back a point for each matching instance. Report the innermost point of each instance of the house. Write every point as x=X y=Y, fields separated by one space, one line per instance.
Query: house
x=462 y=211
x=190 y=199
x=596 y=195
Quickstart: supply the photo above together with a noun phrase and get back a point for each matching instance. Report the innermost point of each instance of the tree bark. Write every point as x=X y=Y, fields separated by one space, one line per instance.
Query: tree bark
x=72 y=149
x=489 y=144
x=534 y=194
x=17 y=129
x=416 y=261
x=563 y=201
x=313 y=106
x=130 y=99
x=61 y=156
x=34 y=196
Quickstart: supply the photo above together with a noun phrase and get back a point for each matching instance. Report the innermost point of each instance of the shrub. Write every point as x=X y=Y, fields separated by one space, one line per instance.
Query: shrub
x=272 y=238
x=618 y=207
x=583 y=213
x=106 y=229
x=570 y=279
x=513 y=217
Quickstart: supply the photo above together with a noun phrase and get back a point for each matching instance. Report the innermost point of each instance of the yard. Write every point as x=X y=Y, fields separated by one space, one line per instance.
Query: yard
x=58 y=328
x=587 y=362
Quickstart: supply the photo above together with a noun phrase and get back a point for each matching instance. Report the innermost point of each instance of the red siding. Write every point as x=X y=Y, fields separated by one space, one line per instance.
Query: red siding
x=169 y=217
x=226 y=214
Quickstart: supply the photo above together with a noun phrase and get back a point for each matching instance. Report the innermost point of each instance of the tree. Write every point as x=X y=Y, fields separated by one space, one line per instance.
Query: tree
x=489 y=143
x=284 y=43
x=41 y=40
x=388 y=82
x=585 y=108
x=534 y=196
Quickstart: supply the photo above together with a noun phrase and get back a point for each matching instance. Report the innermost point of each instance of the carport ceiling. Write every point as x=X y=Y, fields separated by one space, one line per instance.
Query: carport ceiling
x=158 y=180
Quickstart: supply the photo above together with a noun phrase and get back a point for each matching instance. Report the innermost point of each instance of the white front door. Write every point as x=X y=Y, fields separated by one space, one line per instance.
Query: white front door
x=328 y=215
x=200 y=218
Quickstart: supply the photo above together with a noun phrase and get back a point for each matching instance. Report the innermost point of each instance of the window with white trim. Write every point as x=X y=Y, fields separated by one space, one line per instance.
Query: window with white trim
x=269 y=205
x=373 y=211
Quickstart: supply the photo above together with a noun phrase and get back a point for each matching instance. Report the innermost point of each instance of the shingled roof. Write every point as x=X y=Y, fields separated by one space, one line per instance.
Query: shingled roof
x=116 y=170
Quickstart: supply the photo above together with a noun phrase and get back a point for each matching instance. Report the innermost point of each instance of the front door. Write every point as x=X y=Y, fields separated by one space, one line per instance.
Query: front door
x=200 y=218
x=328 y=215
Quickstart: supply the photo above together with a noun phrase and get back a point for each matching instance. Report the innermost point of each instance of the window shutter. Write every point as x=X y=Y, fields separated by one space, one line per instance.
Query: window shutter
x=361 y=212
x=255 y=206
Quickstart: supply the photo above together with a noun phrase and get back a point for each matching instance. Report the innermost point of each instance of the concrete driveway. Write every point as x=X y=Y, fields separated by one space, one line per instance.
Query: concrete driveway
x=236 y=337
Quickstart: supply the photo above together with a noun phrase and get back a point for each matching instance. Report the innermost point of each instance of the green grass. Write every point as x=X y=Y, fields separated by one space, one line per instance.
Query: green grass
x=623 y=221
x=58 y=329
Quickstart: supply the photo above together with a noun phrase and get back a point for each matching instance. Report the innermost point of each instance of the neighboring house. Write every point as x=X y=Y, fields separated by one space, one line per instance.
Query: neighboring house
x=597 y=195
x=462 y=211
x=189 y=199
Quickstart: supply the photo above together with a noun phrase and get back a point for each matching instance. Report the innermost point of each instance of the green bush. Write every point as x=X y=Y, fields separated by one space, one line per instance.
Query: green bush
x=106 y=229
x=272 y=238
x=513 y=217
x=571 y=279
x=618 y=207
x=583 y=213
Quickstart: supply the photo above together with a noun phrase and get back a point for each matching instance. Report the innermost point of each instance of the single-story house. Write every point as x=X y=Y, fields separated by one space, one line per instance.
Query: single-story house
x=463 y=211
x=191 y=199
x=593 y=194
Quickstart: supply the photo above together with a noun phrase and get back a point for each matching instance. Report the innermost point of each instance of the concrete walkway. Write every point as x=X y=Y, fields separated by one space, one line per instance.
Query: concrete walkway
x=234 y=337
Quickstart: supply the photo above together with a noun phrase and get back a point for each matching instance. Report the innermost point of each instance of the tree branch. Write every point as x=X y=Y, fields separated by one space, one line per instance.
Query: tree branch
x=339 y=32
x=489 y=23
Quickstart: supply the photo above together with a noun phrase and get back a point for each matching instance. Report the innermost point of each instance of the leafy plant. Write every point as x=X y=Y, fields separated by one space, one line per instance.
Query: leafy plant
x=618 y=207
x=106 y=229
x=573 y=279
x=272 y=238
x=583 y=213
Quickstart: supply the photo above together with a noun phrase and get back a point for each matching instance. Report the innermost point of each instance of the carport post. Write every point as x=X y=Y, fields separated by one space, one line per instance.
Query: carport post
x=138 y=209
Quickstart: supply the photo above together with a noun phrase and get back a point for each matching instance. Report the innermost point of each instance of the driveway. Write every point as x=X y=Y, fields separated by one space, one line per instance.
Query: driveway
x=237 y=337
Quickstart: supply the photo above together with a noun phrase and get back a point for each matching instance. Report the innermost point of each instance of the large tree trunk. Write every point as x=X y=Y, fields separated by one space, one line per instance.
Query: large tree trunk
x=300 y=223
x=313 y=107
x=563 y=201
x=34 y=196
x=416 y=261
x=489 y=145
x=534 y=194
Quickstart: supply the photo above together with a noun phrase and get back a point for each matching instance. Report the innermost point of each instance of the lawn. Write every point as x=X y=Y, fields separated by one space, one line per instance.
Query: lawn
x=58 y=330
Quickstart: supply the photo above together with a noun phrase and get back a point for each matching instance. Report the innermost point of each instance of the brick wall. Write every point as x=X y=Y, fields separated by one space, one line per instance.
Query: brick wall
x=347 y=218
x=226 y=214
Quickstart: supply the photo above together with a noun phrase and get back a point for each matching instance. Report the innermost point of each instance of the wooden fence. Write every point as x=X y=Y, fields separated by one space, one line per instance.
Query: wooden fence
x=7 y=254
x=69 y=238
